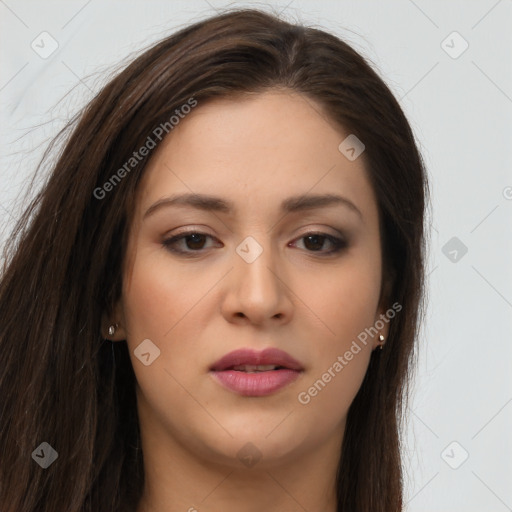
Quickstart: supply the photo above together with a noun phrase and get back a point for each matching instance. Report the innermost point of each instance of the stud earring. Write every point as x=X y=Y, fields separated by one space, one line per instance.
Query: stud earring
x=381 y=338
x=112 y=330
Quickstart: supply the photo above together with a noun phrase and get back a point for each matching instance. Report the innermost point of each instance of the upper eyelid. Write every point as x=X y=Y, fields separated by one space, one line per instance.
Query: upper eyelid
x=310 y=232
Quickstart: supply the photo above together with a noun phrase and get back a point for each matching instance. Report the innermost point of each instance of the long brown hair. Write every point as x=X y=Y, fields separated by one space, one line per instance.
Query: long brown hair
x=62 y=270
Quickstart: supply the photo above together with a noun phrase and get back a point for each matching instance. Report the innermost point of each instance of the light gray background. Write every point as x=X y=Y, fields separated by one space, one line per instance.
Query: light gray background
x=461 y=111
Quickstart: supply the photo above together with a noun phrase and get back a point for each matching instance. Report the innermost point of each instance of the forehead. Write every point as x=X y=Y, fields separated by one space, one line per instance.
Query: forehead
x=256 y=151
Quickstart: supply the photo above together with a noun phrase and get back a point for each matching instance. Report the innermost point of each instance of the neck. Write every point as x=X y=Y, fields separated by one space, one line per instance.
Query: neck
x=179 y=481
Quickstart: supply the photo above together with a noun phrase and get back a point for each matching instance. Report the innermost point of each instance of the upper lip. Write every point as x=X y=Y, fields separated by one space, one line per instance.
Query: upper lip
x=246 y=356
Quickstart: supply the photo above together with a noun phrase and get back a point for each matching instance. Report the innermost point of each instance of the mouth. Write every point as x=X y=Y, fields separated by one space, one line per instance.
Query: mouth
x=251 y=373
x=252 y=368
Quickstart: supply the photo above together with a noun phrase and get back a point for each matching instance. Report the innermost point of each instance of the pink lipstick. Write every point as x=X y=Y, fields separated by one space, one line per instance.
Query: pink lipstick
x=252 y=373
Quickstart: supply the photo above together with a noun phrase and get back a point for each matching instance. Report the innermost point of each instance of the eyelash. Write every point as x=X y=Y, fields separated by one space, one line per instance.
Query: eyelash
x=338 y=243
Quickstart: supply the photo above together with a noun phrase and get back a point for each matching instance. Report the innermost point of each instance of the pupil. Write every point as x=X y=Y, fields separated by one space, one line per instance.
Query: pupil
x=315 y=238
x=196 y=239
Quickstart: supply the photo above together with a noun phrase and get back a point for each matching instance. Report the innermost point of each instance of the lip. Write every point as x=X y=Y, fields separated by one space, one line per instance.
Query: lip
x=260 y=383
x=248 y=356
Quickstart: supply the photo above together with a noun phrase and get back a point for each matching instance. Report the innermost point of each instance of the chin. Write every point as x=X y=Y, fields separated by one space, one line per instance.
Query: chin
x=265 y=443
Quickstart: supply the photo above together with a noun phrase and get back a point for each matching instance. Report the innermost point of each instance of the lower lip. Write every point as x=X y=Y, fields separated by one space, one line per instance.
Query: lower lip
x=258 y=383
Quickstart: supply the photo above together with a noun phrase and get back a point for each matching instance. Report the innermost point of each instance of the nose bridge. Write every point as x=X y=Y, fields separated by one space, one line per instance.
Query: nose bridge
x=256 y=261
x=257 y=287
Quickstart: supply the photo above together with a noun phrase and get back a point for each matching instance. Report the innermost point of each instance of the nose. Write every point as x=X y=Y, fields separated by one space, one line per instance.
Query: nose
x=257 y=291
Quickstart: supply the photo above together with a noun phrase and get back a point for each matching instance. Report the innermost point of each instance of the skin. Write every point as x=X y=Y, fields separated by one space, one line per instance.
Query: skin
x=254 y=152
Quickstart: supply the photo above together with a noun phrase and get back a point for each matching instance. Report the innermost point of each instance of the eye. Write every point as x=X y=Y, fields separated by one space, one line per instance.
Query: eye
x=315 y=241
x=193 y=240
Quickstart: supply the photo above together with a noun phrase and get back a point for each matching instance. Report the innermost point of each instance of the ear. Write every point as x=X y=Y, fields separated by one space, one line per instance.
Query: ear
x=382 y=319
x=116 y=319
x=381 y=324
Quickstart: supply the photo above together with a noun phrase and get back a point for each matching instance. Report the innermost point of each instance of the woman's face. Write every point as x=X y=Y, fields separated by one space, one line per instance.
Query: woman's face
x=256 y=275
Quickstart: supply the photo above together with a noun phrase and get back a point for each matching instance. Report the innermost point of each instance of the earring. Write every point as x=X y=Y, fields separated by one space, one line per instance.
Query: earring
x=381 y=338
x=112 y=330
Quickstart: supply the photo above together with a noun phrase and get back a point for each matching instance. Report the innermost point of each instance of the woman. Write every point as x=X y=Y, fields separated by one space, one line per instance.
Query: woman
x=213 y=302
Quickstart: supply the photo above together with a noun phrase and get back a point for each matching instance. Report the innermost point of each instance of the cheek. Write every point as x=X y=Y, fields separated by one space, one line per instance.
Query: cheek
x=159 y=306
x=328 y=395
x=342 y=299
x=346 y=303
x=340 y=359
x=149 y=304
x=156 y=299
x=164 y=304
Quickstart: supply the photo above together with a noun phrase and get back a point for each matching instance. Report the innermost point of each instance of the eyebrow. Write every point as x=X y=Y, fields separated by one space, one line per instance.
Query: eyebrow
x=217 y=204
